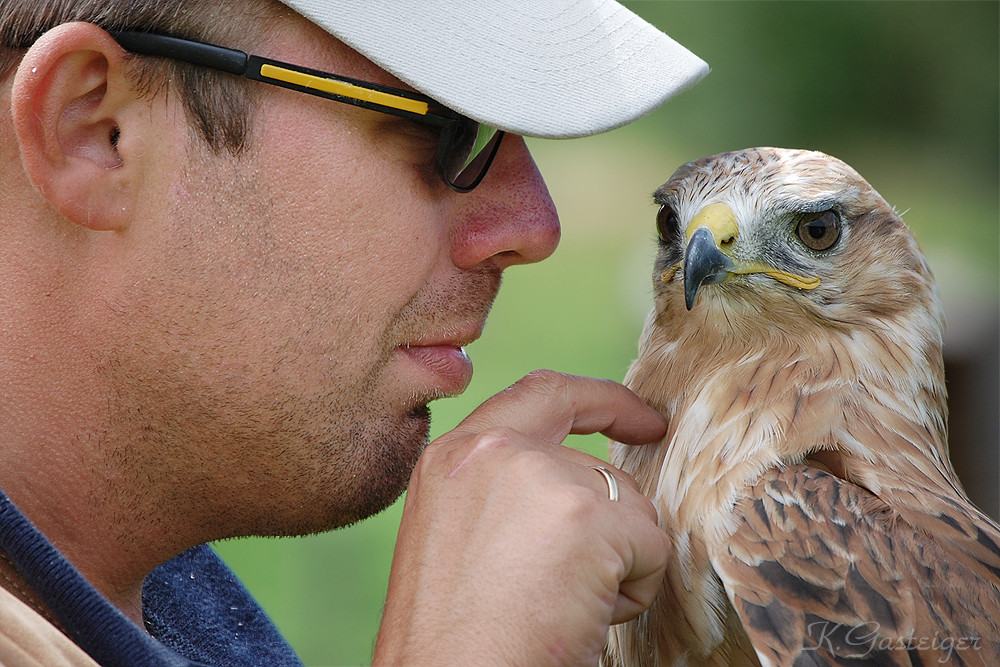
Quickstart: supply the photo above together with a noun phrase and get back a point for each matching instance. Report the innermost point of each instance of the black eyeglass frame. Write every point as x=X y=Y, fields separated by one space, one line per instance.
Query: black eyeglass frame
x=395 y=101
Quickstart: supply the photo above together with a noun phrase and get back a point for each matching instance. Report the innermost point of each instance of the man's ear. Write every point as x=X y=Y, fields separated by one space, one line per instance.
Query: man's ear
x=72 y=104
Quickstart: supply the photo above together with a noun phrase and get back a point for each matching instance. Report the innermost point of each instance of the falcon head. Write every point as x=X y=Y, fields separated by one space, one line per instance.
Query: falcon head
x=779 y=233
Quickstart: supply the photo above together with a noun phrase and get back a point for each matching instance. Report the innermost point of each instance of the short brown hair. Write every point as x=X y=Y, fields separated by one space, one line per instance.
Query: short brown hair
x=219 y=106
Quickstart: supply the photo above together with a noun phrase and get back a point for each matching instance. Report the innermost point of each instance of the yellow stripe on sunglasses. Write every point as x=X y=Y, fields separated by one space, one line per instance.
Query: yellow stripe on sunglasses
x=344 y=89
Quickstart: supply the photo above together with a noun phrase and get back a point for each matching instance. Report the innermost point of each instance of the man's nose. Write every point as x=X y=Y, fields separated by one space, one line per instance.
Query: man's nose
x=510 y=217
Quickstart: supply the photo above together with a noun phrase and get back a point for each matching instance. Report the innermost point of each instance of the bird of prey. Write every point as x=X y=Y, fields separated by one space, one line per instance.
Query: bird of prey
x=795 y=349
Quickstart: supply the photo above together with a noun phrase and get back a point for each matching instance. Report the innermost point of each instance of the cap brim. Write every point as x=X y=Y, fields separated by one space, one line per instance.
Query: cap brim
x=555 y=69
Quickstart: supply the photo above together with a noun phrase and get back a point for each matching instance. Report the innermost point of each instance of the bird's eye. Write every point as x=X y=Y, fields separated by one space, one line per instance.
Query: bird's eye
x=667 y=225
x=819 y=230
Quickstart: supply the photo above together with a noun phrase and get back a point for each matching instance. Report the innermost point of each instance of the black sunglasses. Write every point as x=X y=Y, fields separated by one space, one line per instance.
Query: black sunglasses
x=465 y=148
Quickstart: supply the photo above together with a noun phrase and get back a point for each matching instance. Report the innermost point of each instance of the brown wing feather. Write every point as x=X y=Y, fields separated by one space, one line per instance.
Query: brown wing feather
x=823 y=572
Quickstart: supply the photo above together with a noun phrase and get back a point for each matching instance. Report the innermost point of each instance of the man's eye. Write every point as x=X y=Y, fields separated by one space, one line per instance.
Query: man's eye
x=423 y=135
x=406 y=141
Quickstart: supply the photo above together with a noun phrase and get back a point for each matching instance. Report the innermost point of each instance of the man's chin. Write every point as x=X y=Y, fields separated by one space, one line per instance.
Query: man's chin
x=388 y=478
x=361 y=477
x=380 y=475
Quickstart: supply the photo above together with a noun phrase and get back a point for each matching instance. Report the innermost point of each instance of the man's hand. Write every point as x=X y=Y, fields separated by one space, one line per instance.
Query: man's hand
x=510 y=550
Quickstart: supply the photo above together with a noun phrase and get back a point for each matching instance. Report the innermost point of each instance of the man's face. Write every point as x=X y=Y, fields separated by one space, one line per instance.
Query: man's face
x=306 y=301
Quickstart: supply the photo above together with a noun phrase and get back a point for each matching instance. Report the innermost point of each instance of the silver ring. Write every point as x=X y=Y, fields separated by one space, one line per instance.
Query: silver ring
x=610 y=479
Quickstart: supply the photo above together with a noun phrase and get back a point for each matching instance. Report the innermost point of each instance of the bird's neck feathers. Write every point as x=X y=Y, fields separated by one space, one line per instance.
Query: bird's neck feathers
x=747 y=391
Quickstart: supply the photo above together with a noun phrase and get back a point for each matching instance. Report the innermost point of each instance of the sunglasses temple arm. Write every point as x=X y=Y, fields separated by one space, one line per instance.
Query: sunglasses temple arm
x=204 y=55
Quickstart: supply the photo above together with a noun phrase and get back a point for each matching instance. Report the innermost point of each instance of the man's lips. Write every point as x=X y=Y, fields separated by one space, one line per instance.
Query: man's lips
x=447 y=368
x=442 y=360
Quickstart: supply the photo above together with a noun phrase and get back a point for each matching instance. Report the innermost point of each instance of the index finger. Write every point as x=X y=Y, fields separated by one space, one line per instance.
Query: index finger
x=551 y=405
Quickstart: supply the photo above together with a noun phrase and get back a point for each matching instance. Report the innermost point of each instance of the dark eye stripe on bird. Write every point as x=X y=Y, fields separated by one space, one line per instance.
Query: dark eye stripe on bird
x=795 y=349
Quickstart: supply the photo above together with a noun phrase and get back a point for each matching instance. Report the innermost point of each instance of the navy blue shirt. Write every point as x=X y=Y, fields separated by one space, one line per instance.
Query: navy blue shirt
x=196 y=611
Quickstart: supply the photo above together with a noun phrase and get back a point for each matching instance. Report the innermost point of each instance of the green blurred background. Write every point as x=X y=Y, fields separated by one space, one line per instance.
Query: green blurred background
x=905 y=92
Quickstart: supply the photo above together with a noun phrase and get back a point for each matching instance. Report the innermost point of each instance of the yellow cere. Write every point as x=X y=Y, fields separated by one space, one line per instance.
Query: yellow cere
x=719 y=219
x=344 y=89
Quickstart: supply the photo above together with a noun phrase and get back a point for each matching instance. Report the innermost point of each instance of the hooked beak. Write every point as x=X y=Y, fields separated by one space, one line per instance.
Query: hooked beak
x=704 y=264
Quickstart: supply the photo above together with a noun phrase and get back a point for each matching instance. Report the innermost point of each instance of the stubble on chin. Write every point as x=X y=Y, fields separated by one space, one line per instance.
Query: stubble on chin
x=386 y=463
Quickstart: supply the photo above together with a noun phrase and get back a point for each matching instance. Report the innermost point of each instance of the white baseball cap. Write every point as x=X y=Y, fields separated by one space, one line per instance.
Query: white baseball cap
x=540 y=68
